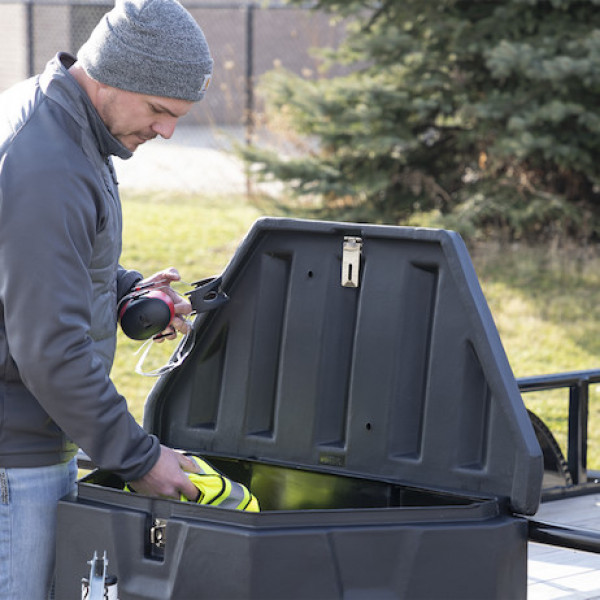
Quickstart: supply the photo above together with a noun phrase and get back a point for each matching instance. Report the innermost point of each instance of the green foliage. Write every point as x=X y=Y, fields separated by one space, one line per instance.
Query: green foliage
x=477 y=113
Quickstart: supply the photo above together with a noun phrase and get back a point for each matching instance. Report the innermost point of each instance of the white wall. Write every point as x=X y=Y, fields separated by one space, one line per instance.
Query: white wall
x=13 y=44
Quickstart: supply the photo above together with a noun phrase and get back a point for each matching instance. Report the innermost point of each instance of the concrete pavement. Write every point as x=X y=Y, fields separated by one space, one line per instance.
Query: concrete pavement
x=195 y=160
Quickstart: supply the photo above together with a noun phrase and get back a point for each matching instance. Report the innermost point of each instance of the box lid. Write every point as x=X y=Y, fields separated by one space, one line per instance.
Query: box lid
x=364 y=350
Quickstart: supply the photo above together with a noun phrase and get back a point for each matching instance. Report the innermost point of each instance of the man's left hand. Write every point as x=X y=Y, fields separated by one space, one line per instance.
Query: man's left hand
x=162 y=281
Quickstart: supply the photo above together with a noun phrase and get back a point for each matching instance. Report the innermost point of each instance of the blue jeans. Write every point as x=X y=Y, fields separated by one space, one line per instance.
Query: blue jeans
x=28 y=501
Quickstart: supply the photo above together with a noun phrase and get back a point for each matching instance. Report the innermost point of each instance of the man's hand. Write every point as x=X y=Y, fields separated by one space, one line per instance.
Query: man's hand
x=162 y=281
x=168 y=477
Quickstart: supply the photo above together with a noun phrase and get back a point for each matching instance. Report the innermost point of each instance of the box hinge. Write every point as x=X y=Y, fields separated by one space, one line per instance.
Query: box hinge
x=351 y=252
x=158 y=533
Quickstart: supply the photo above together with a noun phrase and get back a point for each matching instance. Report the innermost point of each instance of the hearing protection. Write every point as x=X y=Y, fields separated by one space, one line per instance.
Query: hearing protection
x=145 y=313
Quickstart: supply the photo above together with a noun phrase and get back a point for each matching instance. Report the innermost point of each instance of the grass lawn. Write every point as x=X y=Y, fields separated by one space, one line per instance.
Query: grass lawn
x=546 y=303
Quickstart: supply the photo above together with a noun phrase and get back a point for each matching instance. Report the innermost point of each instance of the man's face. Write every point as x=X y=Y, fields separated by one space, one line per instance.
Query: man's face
x=136 y=118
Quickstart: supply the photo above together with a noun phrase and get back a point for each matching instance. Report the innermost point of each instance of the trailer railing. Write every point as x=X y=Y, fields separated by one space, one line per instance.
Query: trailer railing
x=578 y=383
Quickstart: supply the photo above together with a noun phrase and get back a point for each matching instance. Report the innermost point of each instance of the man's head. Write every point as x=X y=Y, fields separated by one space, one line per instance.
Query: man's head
x=149 y=61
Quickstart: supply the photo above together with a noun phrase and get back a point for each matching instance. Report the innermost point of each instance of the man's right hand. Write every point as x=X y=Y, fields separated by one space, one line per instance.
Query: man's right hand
x=168 y=478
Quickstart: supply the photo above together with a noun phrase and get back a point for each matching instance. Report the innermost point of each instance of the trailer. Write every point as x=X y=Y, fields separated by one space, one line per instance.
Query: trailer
x=564 y=548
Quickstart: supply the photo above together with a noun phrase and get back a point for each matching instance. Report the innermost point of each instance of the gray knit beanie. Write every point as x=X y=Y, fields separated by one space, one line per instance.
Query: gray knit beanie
x=152 y=47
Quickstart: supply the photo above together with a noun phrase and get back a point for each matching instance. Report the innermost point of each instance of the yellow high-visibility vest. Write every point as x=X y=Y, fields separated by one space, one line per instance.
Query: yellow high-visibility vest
x=218 y=490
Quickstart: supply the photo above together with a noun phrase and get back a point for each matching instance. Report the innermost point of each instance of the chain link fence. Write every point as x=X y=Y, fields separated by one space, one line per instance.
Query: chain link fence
x=246 y=40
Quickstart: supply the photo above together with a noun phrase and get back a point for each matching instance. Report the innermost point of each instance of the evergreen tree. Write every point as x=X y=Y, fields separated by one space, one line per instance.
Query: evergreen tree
x=484 y=114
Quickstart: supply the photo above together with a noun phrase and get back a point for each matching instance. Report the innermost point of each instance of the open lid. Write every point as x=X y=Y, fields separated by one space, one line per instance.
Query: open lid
x=360 y=349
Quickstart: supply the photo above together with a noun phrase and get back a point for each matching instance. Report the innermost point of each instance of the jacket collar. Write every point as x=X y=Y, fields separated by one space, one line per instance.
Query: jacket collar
x=57 y=83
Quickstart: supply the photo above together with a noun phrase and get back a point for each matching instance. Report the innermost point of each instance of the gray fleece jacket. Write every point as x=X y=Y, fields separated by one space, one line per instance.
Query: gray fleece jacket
x=60 y=281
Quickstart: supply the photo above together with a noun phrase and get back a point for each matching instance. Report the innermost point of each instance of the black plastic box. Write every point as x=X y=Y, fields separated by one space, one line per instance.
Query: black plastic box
x=356 y=382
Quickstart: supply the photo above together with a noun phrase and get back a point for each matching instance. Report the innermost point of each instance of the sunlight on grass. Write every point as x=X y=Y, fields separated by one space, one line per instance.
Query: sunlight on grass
x=535 y=344
x=196 y=235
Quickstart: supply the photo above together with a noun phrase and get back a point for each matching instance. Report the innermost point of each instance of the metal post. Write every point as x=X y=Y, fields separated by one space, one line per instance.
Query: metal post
x=30 y=41
x=585 y=410
x=249 y=108
x=578 y=416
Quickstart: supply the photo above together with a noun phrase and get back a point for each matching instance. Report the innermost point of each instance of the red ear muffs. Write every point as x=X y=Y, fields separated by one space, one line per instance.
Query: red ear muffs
x=144 y=314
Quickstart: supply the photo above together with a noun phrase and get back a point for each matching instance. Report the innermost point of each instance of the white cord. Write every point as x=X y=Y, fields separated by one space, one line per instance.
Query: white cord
x=182 y=352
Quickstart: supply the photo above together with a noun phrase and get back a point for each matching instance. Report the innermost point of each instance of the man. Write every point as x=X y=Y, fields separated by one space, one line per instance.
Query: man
x=142 y=69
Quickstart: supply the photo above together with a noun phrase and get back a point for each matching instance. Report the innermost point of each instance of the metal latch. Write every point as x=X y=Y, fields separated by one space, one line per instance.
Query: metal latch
x=351 y=251
x=158 y=533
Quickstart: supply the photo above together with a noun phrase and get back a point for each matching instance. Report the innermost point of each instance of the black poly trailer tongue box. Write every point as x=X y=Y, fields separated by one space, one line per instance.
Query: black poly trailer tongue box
x=356 y=383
